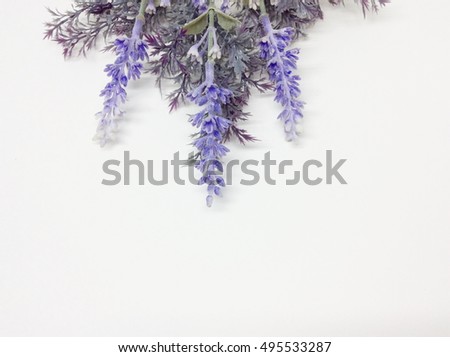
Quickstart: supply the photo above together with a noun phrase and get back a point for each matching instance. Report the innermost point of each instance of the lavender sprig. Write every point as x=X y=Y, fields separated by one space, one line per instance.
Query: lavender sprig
x=130 y=52
x=213 y=126
x=280 y=65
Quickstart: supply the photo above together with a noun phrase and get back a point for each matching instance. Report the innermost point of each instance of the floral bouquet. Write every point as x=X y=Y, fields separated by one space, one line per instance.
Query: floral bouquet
x=215 y=52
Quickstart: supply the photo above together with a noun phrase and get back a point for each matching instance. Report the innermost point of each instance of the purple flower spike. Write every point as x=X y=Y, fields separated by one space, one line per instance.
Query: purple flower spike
x=213 y=127
x=280 y=65
x=130 y=51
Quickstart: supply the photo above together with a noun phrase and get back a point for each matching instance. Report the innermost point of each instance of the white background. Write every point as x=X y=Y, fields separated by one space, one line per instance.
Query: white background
x=368 y=259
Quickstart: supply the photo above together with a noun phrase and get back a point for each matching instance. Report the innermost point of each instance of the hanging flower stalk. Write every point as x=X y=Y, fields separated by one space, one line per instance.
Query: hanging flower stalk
x=281 y=64
x=210 y=97
x=130 y=51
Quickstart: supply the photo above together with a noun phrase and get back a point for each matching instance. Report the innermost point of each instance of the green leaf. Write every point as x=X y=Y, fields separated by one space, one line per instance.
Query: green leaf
x=198 y=25
x=225 y=21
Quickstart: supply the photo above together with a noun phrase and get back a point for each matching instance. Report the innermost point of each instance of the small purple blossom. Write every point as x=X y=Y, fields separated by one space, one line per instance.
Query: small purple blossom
x=198 y=50
x=280 y=65
x=130 y=51
x=225 y=5
x=215 y=51
x=213 y=127
x=201 y=5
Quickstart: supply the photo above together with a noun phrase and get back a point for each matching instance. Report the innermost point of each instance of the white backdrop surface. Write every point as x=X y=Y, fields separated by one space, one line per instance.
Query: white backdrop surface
x=371 y=258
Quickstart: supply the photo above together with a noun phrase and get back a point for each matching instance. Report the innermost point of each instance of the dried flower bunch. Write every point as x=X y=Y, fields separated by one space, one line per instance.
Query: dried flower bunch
x=215 y=52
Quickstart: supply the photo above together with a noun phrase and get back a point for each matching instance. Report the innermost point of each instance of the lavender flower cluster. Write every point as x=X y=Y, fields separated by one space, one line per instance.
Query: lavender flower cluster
x=130 y=53
x=213 y=126
x=281 y=64
x=215 y=52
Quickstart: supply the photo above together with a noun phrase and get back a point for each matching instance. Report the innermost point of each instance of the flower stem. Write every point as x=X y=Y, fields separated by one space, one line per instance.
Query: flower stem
x=211 y=29
x=141 y=14
x=262 y=6
x=140 y=19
